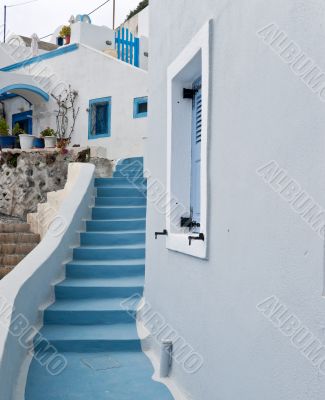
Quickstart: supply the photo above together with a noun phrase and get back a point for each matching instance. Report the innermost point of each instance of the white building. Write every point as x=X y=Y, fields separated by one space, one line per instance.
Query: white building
x=261 y=103
x=112 y=94
x=235 y=226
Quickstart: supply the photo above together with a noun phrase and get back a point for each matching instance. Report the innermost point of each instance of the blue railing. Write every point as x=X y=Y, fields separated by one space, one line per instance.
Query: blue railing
x=127 y=46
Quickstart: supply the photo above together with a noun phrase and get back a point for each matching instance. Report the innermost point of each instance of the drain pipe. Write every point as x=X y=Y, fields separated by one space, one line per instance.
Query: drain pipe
x=166 y=358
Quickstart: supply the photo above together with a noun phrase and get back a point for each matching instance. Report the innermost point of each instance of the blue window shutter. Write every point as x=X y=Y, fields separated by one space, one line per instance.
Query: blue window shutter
x=99 y=118
x=196 y=153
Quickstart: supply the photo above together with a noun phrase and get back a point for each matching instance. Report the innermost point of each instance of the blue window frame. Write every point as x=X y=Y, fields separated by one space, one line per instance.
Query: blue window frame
x=25 y=121
x=99 y=124
x=140 y=107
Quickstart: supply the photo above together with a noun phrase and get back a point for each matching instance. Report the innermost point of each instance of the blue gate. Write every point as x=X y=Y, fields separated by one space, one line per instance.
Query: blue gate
x=127 y=46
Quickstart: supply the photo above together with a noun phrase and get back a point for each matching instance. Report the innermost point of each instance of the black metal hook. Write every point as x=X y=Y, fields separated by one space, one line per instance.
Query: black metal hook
x=200 y=237
x=163 y=233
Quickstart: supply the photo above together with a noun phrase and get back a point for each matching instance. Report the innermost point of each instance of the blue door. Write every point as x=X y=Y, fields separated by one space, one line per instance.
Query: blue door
x=24 y=120
x=196 y=154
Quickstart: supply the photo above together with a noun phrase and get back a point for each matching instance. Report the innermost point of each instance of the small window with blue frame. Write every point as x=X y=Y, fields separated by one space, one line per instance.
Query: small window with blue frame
x=140 y=108
x=100 y=118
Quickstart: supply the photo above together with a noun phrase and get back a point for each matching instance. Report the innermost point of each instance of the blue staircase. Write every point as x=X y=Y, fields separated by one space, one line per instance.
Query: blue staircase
x=91 y=323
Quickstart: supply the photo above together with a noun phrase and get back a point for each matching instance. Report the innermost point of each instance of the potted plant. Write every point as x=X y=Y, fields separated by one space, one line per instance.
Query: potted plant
x=49 y=137
x=59 y=41
x=26 y=140
x=6 y=140
x=66 y=33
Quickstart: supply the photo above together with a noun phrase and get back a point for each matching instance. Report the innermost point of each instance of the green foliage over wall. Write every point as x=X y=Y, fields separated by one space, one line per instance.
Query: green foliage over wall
x=143 y=4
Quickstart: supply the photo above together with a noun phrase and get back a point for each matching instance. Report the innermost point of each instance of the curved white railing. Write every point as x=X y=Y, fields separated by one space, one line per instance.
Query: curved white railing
x=29 y=285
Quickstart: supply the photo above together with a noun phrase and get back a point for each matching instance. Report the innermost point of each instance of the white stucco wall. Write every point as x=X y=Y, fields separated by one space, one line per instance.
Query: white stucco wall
x=257 y=245
x=11 y=53
x=96 y=75
x=138 y=24
x=92 y=35
x=143 y=21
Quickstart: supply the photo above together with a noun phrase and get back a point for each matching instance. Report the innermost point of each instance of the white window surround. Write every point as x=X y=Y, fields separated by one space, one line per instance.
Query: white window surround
x=182 y=72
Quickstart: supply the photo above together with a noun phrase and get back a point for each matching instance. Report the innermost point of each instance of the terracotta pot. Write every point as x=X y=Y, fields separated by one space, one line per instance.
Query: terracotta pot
x=67 y=39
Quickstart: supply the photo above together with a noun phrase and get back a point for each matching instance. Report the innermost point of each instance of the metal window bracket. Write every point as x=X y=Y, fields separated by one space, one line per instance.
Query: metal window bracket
x=163 y=233
x=200 y=237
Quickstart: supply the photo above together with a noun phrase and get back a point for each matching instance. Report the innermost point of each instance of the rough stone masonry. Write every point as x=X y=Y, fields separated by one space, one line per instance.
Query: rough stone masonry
x=27 y=176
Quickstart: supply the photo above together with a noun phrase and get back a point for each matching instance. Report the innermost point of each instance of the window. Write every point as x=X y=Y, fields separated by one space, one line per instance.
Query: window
x=188 y=80
x=24 y=120
x=99 y=118
x=140 y=108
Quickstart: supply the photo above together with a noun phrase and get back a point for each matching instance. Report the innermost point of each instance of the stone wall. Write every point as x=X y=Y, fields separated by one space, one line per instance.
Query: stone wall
x=27 y=176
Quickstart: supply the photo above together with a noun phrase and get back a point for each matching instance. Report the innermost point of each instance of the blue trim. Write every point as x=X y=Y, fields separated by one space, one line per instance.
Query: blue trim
x=42 y=57
x=30 y=88
x=108 y=100
x=83 y=18
x=27 y=115
x=8 y=96
x=137 y=102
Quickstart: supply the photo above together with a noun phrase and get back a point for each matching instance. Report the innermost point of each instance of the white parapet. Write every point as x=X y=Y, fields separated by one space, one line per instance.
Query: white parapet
x=29 y=286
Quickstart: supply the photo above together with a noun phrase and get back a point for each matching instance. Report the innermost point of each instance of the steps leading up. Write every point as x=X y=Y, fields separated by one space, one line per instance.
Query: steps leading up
x=116 y=225
x=95 y=308
x=112 y=238
x=16 y=241
x=92 y=338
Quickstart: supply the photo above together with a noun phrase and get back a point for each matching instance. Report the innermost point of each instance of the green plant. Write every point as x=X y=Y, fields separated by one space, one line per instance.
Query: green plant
x=143 y=4
x=17 y=130
x=48 y=132
x=4 y=128
x=65 y=31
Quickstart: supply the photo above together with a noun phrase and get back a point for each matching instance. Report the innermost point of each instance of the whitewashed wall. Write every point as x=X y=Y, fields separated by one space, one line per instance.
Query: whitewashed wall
x=96 y=75
x=257 y=245
x=92 y=35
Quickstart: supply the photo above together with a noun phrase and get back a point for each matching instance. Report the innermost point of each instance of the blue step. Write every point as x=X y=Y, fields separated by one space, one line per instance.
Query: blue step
x=112 y=238
x=126 y=252
x=120 y=201
x=121 y=375
x=89 y=311
x=129 y=173
x=122 y=192
x=105 y=269
x=116 y=225
x=90 y=338
x=120 y=182
x=113 y=212
x=131 y=160
x=73 y=288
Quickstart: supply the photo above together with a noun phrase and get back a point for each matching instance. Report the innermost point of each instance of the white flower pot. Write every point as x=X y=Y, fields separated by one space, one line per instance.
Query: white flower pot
x=50 y=141
x=26 y=141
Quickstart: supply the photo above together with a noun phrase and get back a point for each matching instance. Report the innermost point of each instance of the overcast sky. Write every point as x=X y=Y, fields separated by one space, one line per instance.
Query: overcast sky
x=44 y=16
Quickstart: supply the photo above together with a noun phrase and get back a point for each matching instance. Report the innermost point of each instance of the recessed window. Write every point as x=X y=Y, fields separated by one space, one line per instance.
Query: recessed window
x=187 y=147
x=99 y=118
x=140 y=107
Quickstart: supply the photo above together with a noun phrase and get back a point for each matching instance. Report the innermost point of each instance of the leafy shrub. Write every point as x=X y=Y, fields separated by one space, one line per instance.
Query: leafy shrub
x=48 y=132
x=65 y=31
x=4 y=128
x=17 y=130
